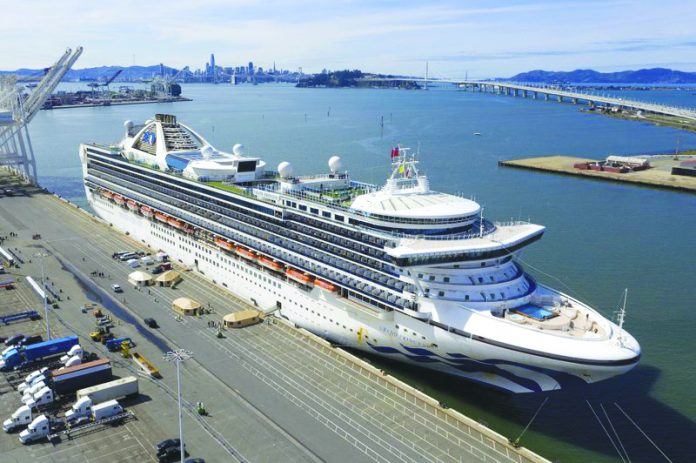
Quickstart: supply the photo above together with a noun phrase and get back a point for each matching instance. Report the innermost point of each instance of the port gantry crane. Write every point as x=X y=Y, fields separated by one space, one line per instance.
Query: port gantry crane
x=18 y=108
x=95 y=85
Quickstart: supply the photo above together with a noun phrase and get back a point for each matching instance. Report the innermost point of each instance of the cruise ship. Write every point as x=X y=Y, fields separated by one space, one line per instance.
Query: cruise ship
x=398 y=270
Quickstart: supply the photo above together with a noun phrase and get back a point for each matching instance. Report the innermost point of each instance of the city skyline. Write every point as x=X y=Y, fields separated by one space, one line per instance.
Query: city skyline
x=483 y=39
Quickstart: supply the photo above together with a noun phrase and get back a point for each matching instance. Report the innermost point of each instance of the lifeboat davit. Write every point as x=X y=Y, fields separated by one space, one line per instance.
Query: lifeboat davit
x=326 y=285
x=146 y=211
x=132 y=205
x=299 y=276
x=224 y=244
x=107 y=194
x=120 y=200
x=244 y=252
x=161 y=217
x=270 y=263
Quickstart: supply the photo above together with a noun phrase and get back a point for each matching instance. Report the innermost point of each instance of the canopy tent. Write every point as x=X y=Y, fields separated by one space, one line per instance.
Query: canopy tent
x=168 y=278
x=241 y=318
x=186 y=306
x=140 y=278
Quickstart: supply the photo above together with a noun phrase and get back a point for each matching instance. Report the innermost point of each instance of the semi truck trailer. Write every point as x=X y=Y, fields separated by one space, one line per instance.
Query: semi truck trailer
x=24 y=356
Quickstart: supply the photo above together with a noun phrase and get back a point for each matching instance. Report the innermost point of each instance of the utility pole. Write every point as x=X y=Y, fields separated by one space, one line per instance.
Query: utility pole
x=40 y=256
x=178 y=356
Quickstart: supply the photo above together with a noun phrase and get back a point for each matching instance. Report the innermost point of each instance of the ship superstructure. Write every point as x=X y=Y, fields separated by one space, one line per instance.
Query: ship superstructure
x=399 y=270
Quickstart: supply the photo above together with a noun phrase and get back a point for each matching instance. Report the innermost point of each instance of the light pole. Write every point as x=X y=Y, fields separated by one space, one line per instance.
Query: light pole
x=40 y=256
x=178 y=356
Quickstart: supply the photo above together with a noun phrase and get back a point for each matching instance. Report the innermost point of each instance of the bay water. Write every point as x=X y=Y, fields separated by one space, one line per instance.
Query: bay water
x=601 y=237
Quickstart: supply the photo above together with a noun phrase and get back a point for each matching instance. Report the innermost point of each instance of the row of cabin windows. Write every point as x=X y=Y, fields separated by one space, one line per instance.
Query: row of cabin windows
x=315 y=211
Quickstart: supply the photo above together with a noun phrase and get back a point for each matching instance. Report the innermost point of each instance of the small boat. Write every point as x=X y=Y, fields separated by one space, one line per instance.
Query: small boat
x=132 y=205
x=271 y=264
x=120 y=200
x=478 y=134
x=224 y=244
x=161 y=217
x=246 y=253
x=146 y=211
x=326 y=285
x=299 y=276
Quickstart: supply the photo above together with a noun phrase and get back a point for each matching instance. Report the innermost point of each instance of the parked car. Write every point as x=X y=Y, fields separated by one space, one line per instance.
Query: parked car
x=151 y=322
x=169 y=454
x=29 y=340
x=157 y=270
x=194 y=460
x=168 y=443
x=116 y=288
x=14 y=340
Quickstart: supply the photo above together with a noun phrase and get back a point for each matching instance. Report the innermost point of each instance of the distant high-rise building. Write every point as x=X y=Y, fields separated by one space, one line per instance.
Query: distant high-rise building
x=161 y=69
x=212 y=67
x=251 y=67
x=274 y=69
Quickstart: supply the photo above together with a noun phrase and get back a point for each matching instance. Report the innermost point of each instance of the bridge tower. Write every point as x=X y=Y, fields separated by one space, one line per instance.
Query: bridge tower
x=18 y=108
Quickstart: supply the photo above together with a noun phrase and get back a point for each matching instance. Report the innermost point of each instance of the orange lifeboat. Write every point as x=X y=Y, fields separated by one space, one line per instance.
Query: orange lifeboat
x=326 y=285
x=224 y=244
x=132 y=205
x=244 y=252
x=146 y=211
x=161 y=217
x=270 y=263
x=299 y=276
x=107 y=194
x=188 y=229
x=120 y=200
x=175 y=223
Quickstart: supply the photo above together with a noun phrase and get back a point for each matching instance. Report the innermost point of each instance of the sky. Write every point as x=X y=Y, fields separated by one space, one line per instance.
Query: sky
x=478 y=39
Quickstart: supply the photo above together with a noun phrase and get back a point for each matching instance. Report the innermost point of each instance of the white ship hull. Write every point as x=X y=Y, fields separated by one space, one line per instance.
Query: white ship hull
x=393 y=334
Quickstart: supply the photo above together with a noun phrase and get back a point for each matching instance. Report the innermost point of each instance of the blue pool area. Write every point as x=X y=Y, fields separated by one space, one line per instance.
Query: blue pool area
x=537 y=313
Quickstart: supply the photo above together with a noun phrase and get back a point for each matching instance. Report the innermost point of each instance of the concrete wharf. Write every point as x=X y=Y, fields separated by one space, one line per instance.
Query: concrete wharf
x=271 y=389
x=659 y=176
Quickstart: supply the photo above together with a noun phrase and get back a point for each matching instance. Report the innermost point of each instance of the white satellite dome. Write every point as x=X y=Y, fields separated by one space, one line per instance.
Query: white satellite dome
x=128 y=124
x=238 y=149
x=335 y=164
x=207 y=151
x=285 y=169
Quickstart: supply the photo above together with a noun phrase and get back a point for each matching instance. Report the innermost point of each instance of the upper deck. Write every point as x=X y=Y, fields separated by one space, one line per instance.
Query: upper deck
x=416 y=224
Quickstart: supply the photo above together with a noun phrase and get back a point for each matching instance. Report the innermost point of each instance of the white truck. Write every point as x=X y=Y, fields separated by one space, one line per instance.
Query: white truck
x=75 y=350
x=37 y=429
x=84 y=411
x=80 y=410
x=106 y=410
x=20 y=418
x=116 y=389
x=71 y=362
x=45 y=396
x=32 y=378
x=33 y=389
